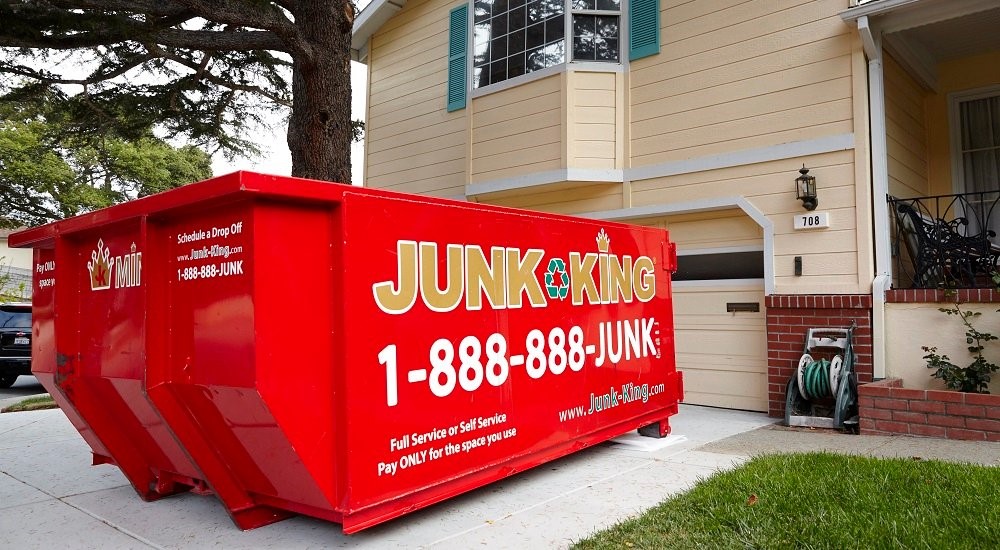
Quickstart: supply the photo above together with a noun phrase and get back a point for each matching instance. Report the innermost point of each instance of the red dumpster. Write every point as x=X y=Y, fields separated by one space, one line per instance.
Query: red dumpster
x=346 y=353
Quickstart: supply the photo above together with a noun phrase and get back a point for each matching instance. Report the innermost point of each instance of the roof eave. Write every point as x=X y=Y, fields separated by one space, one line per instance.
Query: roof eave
x=368 y=22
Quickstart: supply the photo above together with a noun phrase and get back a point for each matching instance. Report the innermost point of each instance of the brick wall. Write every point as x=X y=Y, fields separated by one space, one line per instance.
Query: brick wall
x=886 y=408
x=931 y=295
x=788 y=318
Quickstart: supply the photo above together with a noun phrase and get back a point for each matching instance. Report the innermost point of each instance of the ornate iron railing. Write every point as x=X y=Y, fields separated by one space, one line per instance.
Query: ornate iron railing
x=947 y=241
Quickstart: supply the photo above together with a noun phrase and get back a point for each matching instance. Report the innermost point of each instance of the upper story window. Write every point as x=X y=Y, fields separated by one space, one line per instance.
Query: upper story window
x=516 y=37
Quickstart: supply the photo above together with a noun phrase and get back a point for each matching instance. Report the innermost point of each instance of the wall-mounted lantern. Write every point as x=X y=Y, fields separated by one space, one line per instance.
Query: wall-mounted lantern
x=805 y=189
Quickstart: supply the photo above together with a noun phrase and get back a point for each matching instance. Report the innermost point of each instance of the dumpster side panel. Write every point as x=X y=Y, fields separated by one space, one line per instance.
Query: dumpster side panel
x=484 y=343
x=100 y=334
x=44 y=360
x=295 y=347
x=247 y=341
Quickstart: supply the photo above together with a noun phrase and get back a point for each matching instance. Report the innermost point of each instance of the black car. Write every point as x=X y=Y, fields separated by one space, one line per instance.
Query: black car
x=15 y=342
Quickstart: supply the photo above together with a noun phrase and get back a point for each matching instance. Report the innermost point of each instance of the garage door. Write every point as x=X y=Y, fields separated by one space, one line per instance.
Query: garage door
x=719 y=322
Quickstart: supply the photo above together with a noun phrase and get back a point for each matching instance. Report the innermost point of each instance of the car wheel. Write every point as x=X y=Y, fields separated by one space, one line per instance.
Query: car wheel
x=7 y=380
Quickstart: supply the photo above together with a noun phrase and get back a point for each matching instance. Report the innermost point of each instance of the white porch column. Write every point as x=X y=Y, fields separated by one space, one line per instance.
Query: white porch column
x=872 y=42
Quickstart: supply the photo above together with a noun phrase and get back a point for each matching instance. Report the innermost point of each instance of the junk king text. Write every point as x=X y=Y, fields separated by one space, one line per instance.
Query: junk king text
x=507 y=277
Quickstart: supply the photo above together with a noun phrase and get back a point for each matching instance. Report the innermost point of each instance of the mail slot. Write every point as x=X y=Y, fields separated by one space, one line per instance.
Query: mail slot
x=737 y=307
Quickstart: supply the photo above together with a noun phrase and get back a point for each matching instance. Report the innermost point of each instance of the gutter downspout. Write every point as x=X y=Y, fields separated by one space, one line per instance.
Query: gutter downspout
x=872 y=42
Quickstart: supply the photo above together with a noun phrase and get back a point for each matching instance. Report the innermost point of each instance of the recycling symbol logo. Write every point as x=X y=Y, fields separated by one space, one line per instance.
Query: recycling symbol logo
x=556 y=279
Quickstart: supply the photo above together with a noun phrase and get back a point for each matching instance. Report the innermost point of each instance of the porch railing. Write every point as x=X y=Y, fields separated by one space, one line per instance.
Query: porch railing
x=946 y=241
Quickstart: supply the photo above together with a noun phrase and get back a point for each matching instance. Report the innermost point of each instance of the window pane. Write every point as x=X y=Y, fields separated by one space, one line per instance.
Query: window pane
x=584 y=4
x=714 y=267
x=610 y=5
x=536 y=36
x=498 y=48
x=583 y=37
x=514 y=37
x=515 y=42
x=498 y=25
x=554 y=29
x=606 y=42
x=607 y=49
x=515 y=65
x=498 y=71
x=517 y=19
x=549 y=8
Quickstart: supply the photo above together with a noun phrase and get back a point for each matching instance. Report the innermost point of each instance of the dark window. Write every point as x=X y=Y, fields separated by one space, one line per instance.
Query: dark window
x=515 y=37
x=716 y=267
x=11 y=317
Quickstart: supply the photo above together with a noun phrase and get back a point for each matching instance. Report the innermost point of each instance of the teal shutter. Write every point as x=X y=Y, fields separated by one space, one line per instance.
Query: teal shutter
x=457 y=48
x=644 y=28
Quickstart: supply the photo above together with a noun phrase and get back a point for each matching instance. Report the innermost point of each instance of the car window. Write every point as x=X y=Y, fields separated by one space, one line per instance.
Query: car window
x=15 y=318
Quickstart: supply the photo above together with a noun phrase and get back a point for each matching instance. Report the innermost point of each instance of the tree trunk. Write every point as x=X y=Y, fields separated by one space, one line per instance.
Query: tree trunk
x=319 y=131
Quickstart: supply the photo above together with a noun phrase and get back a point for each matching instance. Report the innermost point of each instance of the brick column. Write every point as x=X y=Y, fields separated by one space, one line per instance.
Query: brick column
x=788 y=318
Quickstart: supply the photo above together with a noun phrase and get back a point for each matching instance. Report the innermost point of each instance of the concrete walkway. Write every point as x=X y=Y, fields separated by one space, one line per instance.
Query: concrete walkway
x=51 y=497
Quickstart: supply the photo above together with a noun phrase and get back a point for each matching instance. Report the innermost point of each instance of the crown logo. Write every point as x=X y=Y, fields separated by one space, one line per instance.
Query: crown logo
x=100 y=267
x=603 y=242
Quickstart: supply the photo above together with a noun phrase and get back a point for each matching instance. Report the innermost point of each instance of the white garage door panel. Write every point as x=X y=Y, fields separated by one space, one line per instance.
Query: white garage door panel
x=722 y=354
x=719 y=341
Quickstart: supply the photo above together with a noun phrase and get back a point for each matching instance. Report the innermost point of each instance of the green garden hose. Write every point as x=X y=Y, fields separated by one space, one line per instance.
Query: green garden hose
x=816 y=379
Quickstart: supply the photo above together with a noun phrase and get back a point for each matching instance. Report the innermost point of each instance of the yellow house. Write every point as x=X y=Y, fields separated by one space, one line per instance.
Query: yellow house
x=697 y=116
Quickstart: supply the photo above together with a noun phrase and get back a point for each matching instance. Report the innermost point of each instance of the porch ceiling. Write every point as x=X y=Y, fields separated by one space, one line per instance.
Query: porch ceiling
x=959 y=37
x=923 y=33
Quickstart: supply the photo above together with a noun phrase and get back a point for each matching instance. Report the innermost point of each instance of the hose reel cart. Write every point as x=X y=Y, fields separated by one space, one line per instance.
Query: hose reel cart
x=823 y=391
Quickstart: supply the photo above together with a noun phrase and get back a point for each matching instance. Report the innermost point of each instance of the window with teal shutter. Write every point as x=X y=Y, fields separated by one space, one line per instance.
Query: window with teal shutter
x=644 y=28
x=457 y=48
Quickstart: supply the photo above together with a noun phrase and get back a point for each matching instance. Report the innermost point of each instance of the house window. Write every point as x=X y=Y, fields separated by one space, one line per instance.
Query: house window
x=517 y=37
x=595 y=30
x=979 y=143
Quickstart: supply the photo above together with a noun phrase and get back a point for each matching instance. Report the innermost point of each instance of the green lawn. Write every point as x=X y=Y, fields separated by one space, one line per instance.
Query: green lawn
x=823 y=500
x=32 y=404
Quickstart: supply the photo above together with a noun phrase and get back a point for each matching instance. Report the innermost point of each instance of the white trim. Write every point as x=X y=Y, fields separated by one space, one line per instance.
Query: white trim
x=536 y=179
x=827 y=144
x=368 y=22
x=720 y=250
x=572 y=66
x=719 y=282
x=879 y=147
x=955 y=130
x=703 y=205
x=873 y=8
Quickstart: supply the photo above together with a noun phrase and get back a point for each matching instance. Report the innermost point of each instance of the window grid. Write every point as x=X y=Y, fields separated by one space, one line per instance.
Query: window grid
x=516 y=37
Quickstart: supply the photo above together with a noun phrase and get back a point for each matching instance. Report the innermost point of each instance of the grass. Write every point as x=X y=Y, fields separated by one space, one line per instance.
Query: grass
x=823 y=500
x=35 y=403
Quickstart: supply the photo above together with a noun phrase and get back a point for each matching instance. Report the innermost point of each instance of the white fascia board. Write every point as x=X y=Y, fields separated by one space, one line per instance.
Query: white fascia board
x=899 y=15
x=538 y=179
x=368 y=22
x=874 y=8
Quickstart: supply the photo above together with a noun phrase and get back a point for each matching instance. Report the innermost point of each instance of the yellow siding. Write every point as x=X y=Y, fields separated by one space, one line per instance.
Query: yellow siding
x=741 y=75
x=594 y=120
x=830 y=256
x=585 y=197
x=958 y=75
x=413 y=143
x=518 y=130
x=713 y=229
x=905 y=132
